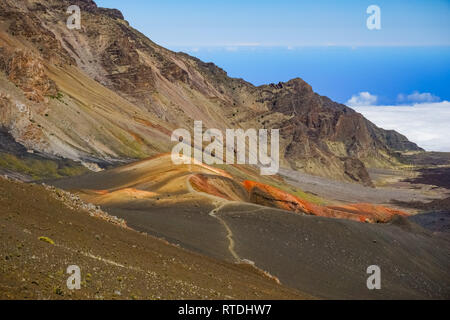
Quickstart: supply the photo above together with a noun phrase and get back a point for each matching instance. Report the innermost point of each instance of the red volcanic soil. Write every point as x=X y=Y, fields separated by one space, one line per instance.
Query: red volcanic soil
x=377 y=212
x=264 y=194
x=272 y=197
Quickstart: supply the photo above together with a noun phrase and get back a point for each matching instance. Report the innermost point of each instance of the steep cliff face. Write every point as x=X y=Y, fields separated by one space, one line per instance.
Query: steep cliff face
x=27 y=72
x=107 y=91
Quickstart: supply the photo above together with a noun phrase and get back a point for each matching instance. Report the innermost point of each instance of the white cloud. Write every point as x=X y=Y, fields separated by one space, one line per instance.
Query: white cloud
x=362 y=99
x=427 y=124
x=418 y=97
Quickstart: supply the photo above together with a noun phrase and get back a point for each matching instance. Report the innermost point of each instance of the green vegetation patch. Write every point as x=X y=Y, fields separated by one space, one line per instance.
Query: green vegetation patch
x=59 y=96
x=41 y=168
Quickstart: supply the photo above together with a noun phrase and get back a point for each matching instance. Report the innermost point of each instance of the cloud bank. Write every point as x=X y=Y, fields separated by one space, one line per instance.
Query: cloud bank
x=427 y=124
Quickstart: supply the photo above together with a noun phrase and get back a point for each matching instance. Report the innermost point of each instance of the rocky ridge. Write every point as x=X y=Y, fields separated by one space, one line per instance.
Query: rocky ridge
x=126 y=94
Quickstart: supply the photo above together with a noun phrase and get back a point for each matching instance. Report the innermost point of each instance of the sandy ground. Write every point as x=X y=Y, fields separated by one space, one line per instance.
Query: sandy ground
x=185 y=225
x=328 y=257
x=116 y=263
x=438 y=221
x=352 y=192
x=323 y=257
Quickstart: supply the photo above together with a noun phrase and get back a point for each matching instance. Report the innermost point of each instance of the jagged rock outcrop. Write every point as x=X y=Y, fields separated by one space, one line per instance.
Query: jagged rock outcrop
x=27 y=72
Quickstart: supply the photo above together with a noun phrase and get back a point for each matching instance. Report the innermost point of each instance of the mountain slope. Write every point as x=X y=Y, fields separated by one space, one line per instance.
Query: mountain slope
x=108 y=92
x=115 y=262
x=320 y=250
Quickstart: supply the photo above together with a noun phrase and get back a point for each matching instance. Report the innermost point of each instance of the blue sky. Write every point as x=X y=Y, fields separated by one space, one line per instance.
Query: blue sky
x=327 y=43
x=286 y=22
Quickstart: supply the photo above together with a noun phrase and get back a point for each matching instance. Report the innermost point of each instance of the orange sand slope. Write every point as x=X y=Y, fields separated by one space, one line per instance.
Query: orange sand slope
x=158 y=180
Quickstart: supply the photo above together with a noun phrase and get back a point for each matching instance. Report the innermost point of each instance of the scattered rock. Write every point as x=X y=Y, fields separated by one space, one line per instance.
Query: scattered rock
x=74 y=202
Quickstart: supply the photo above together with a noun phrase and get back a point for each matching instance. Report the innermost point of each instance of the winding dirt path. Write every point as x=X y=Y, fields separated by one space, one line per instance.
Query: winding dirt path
x=213 y=213
x=220 y=203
